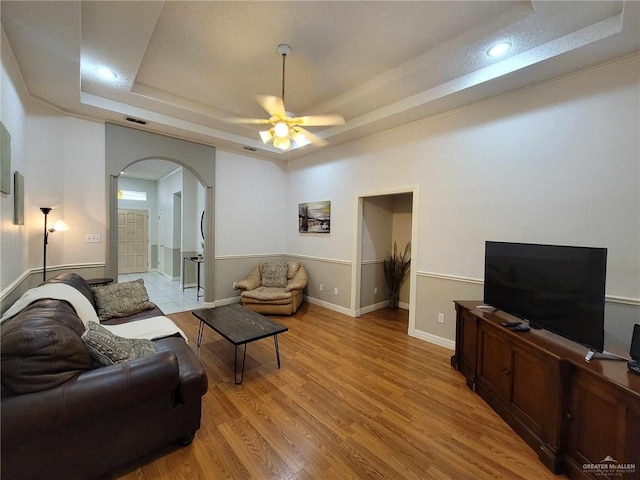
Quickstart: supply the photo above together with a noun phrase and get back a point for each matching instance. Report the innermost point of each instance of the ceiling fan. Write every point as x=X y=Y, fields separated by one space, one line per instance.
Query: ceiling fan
x=285 y=126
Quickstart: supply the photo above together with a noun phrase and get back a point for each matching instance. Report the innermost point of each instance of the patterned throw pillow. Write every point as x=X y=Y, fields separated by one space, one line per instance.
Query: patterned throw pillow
x=109 y=349
x=121 y=299
x=274 y=274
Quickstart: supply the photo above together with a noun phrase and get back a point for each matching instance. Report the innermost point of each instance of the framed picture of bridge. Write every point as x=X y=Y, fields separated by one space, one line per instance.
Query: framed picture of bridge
x=314 y=217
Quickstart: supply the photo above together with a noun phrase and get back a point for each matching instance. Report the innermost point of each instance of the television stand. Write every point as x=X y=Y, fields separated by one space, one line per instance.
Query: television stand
x=602 y=355
x=571 y=412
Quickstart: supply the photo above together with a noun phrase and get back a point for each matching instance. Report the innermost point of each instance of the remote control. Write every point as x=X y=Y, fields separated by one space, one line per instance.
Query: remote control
x=520 y=328
x=634 y=367
x=510 y=324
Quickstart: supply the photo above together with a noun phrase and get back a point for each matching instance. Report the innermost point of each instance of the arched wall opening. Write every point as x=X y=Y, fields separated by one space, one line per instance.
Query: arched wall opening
x=127 y=146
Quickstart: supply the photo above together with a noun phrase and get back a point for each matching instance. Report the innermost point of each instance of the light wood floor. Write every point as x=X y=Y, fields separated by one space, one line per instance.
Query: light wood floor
x=354 y=399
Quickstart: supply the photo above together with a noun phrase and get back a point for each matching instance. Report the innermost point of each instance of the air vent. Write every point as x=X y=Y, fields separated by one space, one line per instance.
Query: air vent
x=135 y=120
x=251 y=149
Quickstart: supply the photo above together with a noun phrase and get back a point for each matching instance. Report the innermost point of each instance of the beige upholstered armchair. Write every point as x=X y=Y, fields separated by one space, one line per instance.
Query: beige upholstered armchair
x=274 y=288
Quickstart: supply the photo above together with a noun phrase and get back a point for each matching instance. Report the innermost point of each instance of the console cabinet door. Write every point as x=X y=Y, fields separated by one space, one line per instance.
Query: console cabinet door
x=526 y=383
x=536 y=395
x=468 y=346
x=603 y=422
x=495 y=364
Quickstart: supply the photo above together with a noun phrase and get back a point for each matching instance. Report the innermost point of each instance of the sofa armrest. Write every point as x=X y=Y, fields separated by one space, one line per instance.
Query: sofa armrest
x=299 y=280
x=193 y=382
x=90 y=394
x=253 y=280
x=296 y=285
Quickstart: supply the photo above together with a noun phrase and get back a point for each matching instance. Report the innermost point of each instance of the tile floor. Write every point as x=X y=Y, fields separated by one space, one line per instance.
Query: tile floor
x=165 y=293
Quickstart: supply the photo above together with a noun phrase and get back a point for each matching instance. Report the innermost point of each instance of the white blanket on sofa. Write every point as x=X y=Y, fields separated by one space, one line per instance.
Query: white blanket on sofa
x=149 y=328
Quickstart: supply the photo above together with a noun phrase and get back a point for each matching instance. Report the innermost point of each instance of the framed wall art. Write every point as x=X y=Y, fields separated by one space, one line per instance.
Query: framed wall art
x=314 y=217
x=5 y=160
x=18 y=198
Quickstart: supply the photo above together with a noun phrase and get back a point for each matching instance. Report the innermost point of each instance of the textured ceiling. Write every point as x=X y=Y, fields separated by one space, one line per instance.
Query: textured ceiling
x=187 y=67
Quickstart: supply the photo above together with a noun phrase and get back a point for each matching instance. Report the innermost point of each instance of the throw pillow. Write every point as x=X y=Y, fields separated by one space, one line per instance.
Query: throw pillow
x=274 y=274
x=109 y=349
x=121 y=299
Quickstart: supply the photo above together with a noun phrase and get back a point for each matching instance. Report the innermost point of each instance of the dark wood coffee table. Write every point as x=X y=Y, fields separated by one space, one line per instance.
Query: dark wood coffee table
x=239 y=326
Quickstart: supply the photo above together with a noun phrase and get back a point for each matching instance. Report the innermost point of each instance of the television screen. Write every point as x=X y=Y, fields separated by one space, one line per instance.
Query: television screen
x=559 y=288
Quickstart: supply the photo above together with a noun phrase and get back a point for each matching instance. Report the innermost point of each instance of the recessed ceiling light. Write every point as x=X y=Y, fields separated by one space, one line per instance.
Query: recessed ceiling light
x=499 y=49
x=106 y=73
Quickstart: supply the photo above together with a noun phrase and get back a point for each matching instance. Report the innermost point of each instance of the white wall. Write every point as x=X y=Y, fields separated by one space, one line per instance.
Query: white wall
x=62 y=161
x=555 y=164
x=13 y=238
x=167 y=187
x=377 y=228
x=250 y=206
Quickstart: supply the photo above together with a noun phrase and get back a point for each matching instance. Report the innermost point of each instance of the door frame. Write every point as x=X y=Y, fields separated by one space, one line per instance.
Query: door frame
x=356 y=266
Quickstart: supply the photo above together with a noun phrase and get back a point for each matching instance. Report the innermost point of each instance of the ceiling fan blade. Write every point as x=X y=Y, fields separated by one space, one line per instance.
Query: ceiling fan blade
x=273 y=105
x=250 y=121
x=310 y=137
x=320 y=120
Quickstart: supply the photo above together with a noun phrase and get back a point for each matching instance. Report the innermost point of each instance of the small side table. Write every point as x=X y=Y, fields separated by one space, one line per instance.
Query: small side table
x=94 y=282
x=198 y=261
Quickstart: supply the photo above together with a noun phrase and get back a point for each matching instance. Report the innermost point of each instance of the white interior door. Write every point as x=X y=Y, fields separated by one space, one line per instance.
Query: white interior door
x=133 y=241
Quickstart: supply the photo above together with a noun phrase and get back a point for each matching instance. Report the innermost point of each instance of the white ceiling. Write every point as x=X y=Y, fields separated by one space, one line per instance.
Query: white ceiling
x=188 y=67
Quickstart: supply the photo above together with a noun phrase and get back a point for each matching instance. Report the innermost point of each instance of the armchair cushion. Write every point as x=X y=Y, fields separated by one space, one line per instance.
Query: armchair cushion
x=274 y=274
x=267 y=294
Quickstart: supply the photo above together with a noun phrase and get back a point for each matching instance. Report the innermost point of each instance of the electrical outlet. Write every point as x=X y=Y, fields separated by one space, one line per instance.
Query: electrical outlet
x=375 y=290
x=441 y=318
x=321 y=287
x=93 y=238
x=335 y=291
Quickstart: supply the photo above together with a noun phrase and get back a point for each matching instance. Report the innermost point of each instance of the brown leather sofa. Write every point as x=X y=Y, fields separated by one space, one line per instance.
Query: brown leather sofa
x=64 y=418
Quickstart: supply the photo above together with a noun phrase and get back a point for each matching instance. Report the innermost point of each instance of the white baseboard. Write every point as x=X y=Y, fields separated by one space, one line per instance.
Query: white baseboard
x=330 y=306
x=372 y=308
x=436 y=340
x=225 y=301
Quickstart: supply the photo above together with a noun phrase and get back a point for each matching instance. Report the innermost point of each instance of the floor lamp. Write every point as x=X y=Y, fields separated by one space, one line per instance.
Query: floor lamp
x=58 y=226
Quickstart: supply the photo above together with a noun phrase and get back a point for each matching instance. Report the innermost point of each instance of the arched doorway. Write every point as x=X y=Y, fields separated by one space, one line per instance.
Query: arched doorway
x=160 y=218
x=127 y=146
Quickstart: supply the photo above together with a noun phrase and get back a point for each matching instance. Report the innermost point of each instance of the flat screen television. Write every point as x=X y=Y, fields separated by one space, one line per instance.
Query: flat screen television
x=558 y=288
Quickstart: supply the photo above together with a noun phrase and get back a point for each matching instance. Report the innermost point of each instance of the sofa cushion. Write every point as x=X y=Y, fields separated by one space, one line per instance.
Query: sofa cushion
x=274 y=274
x=109 y=349
x=41 y=347
x=121 y=299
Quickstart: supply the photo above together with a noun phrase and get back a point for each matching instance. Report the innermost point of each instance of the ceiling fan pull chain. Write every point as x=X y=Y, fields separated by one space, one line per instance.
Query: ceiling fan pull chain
x=284 y=59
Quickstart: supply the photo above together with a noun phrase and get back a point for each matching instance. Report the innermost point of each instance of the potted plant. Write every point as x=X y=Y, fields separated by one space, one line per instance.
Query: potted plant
x=396 y=271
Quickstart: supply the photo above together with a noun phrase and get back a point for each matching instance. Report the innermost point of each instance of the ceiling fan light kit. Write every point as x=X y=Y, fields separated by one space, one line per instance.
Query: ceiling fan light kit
x=285 y=126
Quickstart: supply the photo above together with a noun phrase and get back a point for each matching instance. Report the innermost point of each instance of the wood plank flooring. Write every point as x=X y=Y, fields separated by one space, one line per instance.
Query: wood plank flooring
x=356 y=398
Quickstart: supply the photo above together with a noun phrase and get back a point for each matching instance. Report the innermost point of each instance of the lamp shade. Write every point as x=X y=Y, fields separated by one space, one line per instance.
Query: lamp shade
x=281 y=130
x=60 y=226
x=266 y=135
x=282 y=143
